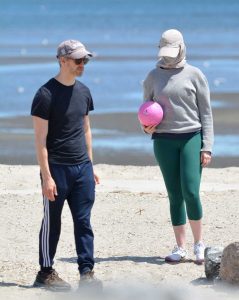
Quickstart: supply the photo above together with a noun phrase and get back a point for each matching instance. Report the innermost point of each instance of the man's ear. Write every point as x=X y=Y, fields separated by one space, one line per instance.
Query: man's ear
x=62 y=60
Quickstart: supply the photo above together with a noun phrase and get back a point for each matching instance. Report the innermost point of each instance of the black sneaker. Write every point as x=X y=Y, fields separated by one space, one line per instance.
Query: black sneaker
x=88 y=280
x=51 y=281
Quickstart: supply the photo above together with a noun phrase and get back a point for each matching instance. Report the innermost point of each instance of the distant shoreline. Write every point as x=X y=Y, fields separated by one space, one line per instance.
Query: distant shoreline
x=18 y=60
x=18 y=148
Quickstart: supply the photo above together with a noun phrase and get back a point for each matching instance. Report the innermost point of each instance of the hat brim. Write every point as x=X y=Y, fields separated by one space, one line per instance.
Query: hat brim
x=80 y=54
x=169 y=51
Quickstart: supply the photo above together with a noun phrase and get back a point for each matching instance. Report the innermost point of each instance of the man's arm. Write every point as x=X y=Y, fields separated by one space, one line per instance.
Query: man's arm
x=88 y=138
x=48 y=185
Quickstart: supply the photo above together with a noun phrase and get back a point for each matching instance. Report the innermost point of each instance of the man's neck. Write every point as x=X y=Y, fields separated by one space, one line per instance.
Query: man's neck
x=65 y=79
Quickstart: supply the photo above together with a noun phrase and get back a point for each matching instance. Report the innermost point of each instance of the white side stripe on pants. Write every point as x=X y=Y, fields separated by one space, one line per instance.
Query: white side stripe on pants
x=45 y=234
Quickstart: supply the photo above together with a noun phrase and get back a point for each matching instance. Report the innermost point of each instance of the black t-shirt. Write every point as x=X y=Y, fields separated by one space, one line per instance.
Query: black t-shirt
x=65 y=108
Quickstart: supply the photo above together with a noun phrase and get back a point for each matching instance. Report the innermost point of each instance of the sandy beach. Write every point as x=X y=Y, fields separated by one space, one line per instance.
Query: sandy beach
x=132 y=231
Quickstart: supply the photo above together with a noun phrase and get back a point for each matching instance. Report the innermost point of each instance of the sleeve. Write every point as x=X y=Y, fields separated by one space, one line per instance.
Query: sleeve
x=148 y=88
x=90 y=105
x=148 y=92
x=205 y=113
x=41 y=105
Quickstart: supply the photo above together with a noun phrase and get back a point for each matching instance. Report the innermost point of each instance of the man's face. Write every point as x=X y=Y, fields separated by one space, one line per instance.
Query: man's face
x=75 y=66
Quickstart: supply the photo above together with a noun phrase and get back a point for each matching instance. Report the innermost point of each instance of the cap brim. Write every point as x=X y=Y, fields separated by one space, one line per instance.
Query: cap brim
x=168 y=51
x=80 y=54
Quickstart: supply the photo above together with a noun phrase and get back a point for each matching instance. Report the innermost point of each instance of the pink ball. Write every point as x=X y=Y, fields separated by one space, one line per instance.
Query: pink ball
x=150 y=113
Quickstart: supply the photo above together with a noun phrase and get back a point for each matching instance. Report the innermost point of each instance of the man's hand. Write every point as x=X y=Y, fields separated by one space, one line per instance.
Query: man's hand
x=49 y=189
x=206 y=157
x=150 y=129
x=97 y=179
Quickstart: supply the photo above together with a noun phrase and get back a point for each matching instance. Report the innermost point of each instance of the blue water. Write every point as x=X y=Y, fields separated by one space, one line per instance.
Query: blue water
x=113 y=85
x=115 y=29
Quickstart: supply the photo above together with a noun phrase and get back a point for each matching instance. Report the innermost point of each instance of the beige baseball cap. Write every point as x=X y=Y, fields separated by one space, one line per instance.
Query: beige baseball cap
x=170 y=43
x=72 y=49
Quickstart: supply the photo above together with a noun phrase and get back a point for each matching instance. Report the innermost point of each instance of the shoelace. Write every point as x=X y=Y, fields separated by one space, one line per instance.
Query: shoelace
x=176 y=249
x=196 y=249
x=54 y=275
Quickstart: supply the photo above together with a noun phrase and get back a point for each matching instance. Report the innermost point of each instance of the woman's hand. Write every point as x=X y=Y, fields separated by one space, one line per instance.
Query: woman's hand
x=149 y=129
x=206 y=158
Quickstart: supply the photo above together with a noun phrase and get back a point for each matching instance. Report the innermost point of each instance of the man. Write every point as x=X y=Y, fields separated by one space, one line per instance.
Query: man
x=64 y=151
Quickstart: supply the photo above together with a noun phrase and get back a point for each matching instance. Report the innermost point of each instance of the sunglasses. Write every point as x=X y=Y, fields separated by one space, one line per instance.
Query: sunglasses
x=79 y=61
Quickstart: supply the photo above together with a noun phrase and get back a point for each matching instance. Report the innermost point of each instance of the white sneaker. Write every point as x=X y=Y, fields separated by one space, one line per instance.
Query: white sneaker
x=199 y=252
x=178 y=254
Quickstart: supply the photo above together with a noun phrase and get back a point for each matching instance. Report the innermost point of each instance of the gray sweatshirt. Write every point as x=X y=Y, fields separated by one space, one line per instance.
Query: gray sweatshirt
x=185 y=98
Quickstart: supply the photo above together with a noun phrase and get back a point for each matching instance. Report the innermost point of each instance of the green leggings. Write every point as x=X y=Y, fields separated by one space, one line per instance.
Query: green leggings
x=179 y=161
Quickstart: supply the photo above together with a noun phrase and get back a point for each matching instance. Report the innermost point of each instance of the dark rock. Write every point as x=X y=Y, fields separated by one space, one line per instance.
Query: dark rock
x=213 y=257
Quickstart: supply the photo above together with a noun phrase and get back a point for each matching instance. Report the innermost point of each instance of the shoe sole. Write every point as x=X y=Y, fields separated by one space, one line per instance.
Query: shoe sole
x=183 y=259
x=51 y=288
x=199 y=262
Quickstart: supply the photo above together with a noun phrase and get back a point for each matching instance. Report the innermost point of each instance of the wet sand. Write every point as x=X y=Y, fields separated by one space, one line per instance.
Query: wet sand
x=17 y=147
x=38 y=59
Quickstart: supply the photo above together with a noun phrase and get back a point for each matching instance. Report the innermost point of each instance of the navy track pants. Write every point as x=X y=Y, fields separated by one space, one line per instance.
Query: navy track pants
x=75 y=183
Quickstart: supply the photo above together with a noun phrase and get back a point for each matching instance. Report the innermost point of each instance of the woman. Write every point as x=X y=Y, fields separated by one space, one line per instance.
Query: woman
x=183 y=140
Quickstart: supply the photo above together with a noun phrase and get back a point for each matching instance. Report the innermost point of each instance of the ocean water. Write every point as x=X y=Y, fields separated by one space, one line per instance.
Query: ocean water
x=124 y=36
x=116 y=86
